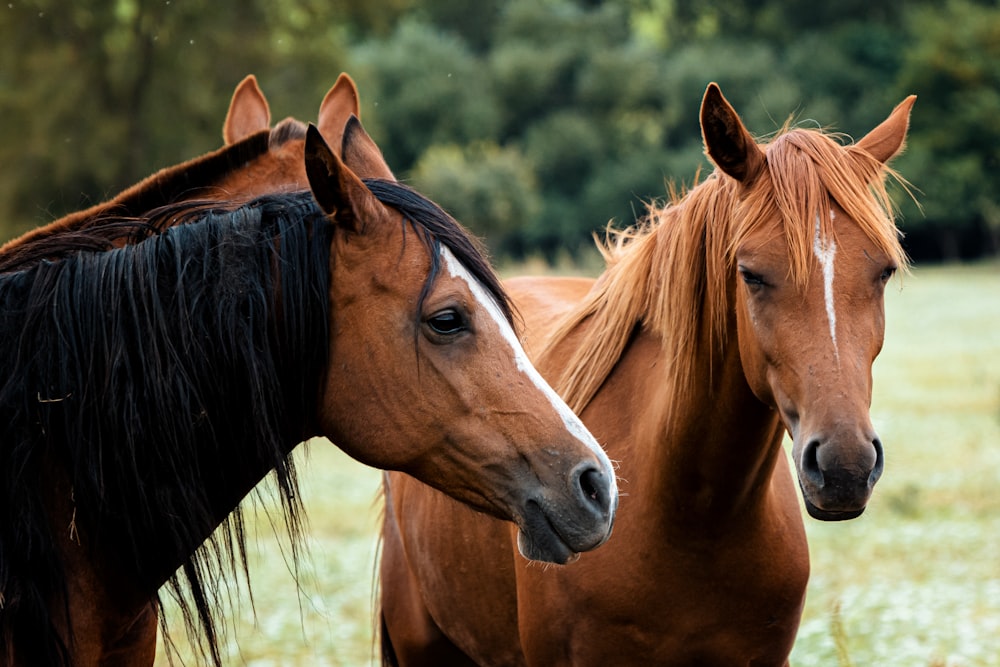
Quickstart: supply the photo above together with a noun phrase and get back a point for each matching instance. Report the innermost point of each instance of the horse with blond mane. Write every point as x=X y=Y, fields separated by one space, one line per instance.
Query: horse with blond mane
x=750 y=306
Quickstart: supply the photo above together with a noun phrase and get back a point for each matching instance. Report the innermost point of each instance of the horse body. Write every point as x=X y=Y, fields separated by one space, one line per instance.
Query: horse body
x=149 y=387
x=751 y=306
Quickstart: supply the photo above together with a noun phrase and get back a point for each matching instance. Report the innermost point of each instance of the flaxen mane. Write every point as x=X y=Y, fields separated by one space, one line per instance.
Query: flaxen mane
x=672 y=273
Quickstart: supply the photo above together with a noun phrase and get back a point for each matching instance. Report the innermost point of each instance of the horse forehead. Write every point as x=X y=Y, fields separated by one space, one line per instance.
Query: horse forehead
x=854 y=248
x=459 y=274
x=829 y=238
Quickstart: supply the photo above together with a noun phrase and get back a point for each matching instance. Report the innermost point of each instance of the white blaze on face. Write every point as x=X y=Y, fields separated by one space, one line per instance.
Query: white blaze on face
x=825 y=251
x=572 y=422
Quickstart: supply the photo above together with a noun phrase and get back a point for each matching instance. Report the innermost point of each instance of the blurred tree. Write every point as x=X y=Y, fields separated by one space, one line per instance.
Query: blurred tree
x=96 y=95
x=953 y=62
x=425 y=87
x=472 y=21
x=488 y=188
x=541 y=51
x=584 y=99
x=784 y=20
x=583 y=107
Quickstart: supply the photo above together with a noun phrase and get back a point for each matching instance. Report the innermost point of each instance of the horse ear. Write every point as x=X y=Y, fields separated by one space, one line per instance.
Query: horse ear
x=362 y=154
x=340 y=103
x=248 y=112
x=886 y=141
x=727 y=142
x=337 y=190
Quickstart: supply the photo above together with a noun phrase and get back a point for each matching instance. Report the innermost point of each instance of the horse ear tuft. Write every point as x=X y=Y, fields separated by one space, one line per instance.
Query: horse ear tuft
x=727 y=142
x=340 y=104
x=887 y=139
x=248 y=112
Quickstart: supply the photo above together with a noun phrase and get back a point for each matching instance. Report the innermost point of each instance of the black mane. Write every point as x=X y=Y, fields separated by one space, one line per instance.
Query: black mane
x=132 y=375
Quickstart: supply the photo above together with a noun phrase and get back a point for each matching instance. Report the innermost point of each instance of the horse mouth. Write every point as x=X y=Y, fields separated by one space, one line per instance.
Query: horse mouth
x=831 y=515
x=538 y=539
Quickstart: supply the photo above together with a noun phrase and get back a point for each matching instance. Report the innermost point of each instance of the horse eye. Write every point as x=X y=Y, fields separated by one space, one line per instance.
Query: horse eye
x=751 y=279
x=887 y=273
x=447 y=323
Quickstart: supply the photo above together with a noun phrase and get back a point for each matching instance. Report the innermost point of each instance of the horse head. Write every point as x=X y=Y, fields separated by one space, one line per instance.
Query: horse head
x=433 y=380
x=813 y=247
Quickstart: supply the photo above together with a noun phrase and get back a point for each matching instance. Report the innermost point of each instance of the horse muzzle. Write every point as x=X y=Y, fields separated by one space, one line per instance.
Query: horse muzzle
x=837 y=479
x=557 y=527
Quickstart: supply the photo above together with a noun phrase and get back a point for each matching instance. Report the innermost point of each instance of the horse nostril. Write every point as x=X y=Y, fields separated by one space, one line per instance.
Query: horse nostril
x=592 y=487
x=879 y=462
x=810 y=464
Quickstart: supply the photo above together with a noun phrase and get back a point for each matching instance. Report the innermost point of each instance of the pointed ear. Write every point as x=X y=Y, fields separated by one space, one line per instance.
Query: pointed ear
x=727 y=142
x=340 y=103
x=361 y=153
x=337 y=190
x=248 y=112
x=887 y=140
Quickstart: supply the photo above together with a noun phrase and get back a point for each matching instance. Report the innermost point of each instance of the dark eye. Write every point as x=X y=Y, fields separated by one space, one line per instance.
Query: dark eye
x=447 y=323
x=752 y=279
x=887 y=273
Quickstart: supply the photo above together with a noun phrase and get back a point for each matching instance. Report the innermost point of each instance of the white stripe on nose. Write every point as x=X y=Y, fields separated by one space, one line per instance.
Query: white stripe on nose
x=572 y=422
x=825 y=251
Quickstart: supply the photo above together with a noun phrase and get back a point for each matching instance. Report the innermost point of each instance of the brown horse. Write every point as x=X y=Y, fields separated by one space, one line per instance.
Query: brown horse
x=256 y=160
x=147 y=389
x=750 y=306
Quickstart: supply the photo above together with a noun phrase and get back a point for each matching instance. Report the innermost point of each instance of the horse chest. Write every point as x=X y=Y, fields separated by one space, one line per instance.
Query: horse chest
x=689 y=600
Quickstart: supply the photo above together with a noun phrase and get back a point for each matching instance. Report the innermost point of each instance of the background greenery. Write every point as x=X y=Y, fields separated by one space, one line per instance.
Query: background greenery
x=913 y=582
x=534 y=121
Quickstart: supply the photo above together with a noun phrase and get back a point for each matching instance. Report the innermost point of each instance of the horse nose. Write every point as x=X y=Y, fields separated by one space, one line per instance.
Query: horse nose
x=824 y=465
x=592 y=489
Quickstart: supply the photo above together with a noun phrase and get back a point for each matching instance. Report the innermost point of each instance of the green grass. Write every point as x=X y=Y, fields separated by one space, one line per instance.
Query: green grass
x=913 y=582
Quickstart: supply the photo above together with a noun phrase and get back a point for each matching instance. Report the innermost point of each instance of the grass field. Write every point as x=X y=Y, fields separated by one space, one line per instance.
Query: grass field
x=913 y=582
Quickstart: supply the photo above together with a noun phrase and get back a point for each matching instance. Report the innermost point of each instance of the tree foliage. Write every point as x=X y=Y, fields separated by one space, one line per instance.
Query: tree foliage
x=535 y=121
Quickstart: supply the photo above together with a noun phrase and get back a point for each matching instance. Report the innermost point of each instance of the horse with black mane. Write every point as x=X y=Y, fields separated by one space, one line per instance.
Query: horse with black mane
x=146 y=389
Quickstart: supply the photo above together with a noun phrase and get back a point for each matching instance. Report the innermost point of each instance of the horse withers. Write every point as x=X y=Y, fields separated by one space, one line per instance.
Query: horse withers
x=750 y=306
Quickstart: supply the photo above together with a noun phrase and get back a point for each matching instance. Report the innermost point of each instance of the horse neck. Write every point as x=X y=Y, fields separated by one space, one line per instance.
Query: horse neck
x=227 y=371
x=709 y=446
x=704 y=440
x=216 y=173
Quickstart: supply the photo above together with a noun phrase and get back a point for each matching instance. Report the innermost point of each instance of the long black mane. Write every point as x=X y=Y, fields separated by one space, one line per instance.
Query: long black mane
x=134 y=377
x=152 y=380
